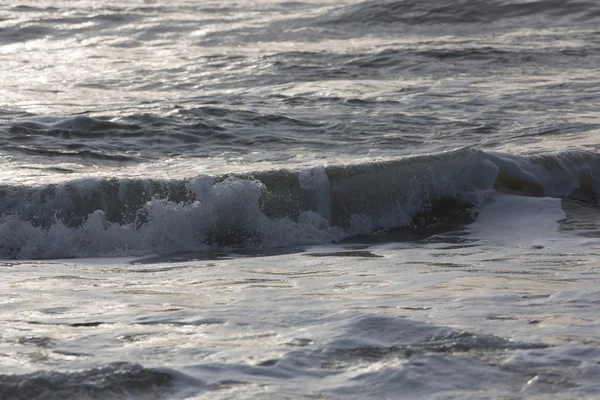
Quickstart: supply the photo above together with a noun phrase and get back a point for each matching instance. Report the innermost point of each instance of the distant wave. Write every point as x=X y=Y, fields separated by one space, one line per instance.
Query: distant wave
x=274 y=208
x=418 y=12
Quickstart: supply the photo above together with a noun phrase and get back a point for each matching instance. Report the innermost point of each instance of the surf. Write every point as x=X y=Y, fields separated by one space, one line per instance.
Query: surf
x=277 y=208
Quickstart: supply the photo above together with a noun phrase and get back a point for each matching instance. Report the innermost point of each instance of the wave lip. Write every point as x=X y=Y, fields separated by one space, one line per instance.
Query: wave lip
x=275 y=208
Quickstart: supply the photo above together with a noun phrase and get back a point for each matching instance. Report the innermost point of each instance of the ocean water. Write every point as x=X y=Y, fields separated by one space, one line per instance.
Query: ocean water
x=299 y=199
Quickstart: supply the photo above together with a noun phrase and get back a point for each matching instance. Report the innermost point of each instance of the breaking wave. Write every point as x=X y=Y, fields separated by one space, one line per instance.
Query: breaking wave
x=117 y=217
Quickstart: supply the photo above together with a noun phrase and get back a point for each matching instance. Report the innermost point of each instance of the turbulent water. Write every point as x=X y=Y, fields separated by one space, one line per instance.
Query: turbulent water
x=301 y=199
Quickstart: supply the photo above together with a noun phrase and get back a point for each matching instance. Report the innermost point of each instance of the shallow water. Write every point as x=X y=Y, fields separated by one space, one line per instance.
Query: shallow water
x=332 y=199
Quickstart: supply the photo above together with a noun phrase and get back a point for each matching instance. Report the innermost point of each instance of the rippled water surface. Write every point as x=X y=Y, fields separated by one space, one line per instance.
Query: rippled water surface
x=302 y=199
x=227 y=86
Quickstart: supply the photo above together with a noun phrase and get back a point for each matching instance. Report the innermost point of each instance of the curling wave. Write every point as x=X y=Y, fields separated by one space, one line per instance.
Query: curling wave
x=115 y=217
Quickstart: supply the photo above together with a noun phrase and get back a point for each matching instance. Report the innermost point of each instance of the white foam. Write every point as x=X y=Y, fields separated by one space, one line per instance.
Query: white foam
x=518 y=220
x=229 y=208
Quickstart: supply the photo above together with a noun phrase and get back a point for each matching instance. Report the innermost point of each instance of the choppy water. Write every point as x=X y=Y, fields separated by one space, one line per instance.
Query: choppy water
x=333 y=199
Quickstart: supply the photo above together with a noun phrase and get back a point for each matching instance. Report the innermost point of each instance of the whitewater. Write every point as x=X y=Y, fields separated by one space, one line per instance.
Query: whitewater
x=313 y=199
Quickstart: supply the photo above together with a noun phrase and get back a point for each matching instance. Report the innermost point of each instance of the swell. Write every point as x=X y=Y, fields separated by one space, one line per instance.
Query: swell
x=282 y=207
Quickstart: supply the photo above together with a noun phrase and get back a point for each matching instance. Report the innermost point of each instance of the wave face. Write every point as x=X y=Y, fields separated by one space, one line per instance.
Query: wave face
x=116 y=217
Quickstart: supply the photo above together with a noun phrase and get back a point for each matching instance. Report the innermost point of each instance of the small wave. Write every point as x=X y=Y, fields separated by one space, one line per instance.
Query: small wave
x=113 y=216
x=429 y=12
x=22 y=34
x=77 y=127
x=80 y=137
x=136 y=138
x=447 y=59
x=380 y=335
x=367 y=338
x=113 y=381
x=72 y=152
